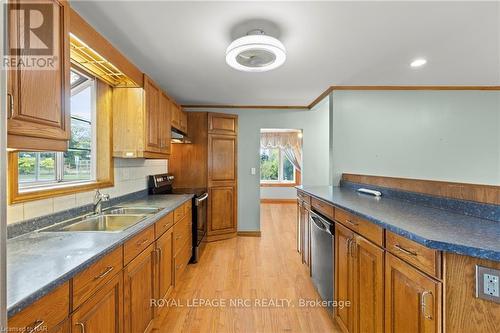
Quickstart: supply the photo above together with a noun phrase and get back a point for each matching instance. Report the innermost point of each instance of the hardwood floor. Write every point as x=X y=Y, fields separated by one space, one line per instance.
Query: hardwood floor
x=266 y=268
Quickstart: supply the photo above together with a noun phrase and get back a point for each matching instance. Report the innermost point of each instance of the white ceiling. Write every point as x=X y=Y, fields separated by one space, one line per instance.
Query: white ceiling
x=181 y=45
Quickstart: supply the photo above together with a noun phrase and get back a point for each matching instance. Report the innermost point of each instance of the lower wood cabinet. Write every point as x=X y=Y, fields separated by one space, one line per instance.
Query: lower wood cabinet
x=139 y=290
x=359 y=278
x=412 y=299
x=165 y=248
x=102 y=312
x=221 y=211
x=367 y=286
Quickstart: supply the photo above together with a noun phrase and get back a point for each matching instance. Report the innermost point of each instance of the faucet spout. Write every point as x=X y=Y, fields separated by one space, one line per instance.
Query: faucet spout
x=98 y=199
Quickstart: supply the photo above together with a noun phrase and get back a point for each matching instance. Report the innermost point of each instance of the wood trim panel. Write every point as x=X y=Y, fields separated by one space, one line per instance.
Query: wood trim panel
x=249 y=233
x=85 y=32
x=462 y=310
x=278 y=201
x=489 y=194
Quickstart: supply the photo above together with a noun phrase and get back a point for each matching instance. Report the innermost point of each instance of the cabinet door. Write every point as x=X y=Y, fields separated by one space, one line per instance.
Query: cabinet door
x=222 y=154
x=306 y=236
x=165 y=119
x=299 y=226
x=164 y=246
x=39 y=111
x=62 y=327
x=412 y=299
x=219 y=123
x=139 y=289
x=176 y=116
x=222 y=209
x=103 y=312
x=368 y=286
x=343 y=284
x=152 y=113
x=184 y=121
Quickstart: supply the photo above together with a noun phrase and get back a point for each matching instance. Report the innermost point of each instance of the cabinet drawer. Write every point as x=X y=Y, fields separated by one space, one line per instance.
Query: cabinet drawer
x=179 y=213
x=164 y=224
x=95 y=276
x=44 y=314
x=181 y=260
x=137 y=244
x=365 y=228
x=323 y=208
x=182 y=233
x=425 y=259
x=304 y=197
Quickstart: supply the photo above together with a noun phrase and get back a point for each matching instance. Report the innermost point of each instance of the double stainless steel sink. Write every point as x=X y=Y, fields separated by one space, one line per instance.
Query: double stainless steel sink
x=113 y=219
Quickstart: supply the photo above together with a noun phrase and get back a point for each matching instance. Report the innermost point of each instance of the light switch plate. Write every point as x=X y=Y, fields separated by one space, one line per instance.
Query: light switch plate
x=253 y=171
x=488 y=283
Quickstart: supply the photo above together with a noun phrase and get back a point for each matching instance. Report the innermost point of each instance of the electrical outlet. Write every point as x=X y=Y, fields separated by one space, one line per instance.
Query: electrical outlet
x=488 y=283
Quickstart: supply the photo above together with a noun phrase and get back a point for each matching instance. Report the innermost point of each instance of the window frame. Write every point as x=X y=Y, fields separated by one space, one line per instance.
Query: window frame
x=104 y=162
x=89 y=81
x=280 y=182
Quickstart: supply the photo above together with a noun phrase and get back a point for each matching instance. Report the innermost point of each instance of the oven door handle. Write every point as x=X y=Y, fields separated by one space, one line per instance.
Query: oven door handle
x=201 y=199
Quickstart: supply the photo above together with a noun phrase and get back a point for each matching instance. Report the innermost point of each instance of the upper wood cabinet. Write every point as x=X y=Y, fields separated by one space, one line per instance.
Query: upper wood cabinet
x=220 y=123
x=39 y=100
x=103 y=312
x=179 y=118
x=412 y=299
x=141 y=122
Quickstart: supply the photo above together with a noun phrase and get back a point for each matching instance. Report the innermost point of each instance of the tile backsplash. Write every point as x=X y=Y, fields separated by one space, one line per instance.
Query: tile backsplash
x=130 y=176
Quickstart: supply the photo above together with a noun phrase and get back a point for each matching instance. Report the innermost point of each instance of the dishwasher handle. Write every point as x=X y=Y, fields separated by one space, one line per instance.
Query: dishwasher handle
x=200 y=199
x=321 y=224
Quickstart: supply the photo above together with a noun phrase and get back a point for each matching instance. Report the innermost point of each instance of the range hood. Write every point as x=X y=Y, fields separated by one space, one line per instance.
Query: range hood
x=179 y=137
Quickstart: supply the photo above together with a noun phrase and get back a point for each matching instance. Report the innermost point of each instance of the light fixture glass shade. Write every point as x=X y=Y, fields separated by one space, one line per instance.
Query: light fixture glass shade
x=255 y=53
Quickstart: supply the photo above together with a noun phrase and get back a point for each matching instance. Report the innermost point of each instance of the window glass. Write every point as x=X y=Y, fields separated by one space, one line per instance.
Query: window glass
x=269 y=164
x=76 y=164
x=288 y=170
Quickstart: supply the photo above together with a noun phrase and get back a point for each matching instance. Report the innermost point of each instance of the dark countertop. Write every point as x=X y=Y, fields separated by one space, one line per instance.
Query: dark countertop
x=435 y=228
x=38 y=262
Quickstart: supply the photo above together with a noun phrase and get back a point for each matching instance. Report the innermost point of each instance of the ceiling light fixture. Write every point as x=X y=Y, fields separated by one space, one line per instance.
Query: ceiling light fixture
x=255 y=52
x=418 y=62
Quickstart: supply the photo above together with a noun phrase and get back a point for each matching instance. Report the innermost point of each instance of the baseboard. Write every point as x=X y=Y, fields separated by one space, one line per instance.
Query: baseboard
x=278 y=201
x=255 y=233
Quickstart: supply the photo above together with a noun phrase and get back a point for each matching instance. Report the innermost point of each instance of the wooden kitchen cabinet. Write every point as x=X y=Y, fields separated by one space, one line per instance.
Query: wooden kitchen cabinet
x=359 y=278
x=39 y=100
x=305 y=231
x=141 y=122
x=103 y=311
x=165 y=248
x=412 y=299
x=221 y=123
x=139 y=289
x=368 y=286
x=222 y=154
x=222 y=209
x=343 y=277
x=179 y=119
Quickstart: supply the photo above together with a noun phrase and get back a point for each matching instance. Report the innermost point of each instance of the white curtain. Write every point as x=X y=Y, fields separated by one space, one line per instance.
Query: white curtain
x=289 y=142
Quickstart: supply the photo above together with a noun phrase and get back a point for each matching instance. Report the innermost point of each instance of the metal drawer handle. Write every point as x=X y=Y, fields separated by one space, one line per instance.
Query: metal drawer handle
x=142 y=242
x=82 y=325
x=36 y=326
x=424 y=305
x=408 y=252
x=351 y=223
x=11 y=105
x=104 y=273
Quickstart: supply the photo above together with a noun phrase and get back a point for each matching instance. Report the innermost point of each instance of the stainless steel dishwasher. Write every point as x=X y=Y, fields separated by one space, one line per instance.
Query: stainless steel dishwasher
x=322 y=238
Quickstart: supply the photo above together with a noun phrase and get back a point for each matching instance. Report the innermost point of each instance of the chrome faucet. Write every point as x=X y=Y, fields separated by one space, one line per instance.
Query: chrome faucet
x=98 y=199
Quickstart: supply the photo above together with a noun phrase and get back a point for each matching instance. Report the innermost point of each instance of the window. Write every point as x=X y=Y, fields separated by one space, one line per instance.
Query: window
x=77 y=164
x=275 y=167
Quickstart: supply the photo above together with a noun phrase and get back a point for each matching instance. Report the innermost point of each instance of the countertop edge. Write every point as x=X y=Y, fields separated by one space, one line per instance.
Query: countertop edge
x=432 y=244
x=23 y=303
